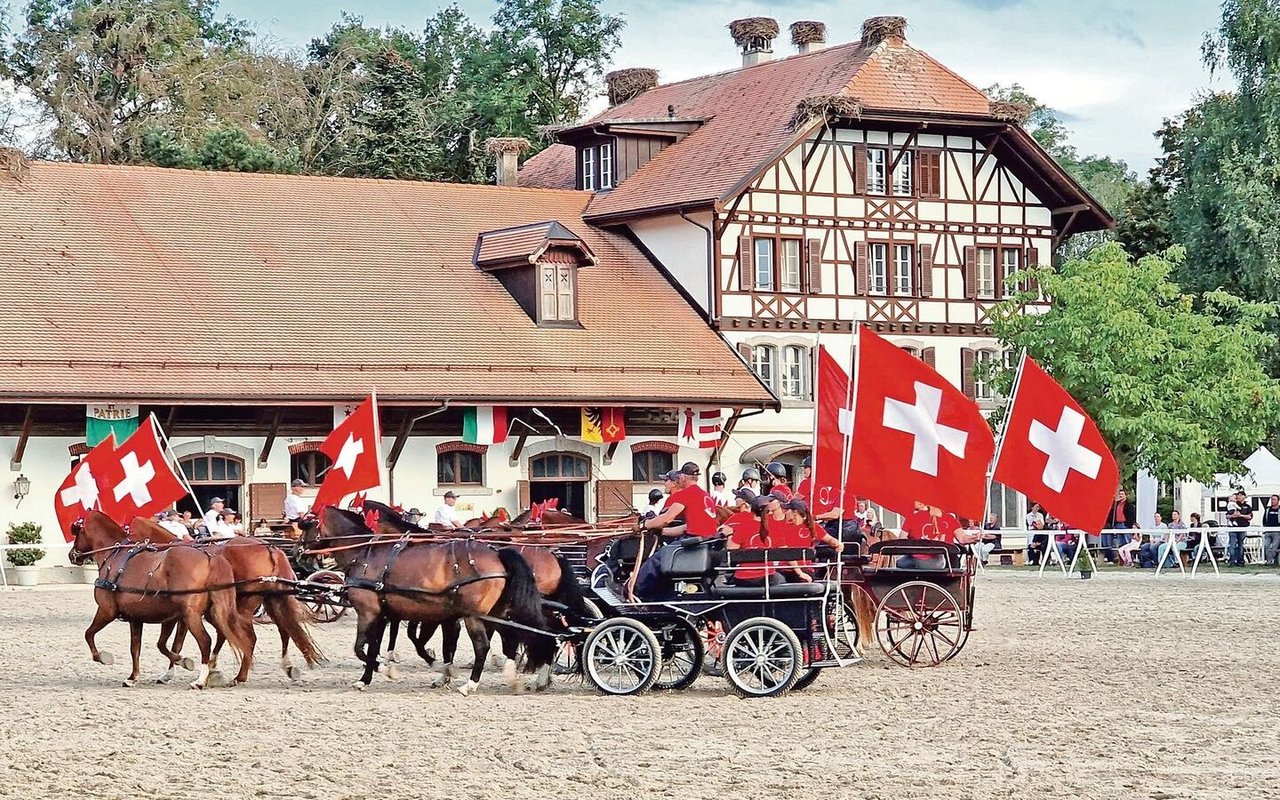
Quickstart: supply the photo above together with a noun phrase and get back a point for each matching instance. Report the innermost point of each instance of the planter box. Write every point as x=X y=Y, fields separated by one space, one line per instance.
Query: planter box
x=26 y=576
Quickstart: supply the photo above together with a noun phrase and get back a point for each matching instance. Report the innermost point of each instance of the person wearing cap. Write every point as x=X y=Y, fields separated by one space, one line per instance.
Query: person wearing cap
x=742 y=522
x=750 y=480
x=778 y=478
x=803 y=486
x=446 y=516
x=751 y=534
x=930 y=522
x=805 y=529
x=225 y=526
x=413 y=515
x=656 y=501
x=295 y=508
x=216 y=505
x=699 y=511
x=719 y=493
x=169 y=521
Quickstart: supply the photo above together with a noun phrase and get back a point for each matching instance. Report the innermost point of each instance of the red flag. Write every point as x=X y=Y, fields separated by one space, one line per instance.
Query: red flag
x=1054 y=454
x=83 y=490
x=916 y=437
x=699 y=427
x=139 y=478
x=353 y=448
x=833 y=394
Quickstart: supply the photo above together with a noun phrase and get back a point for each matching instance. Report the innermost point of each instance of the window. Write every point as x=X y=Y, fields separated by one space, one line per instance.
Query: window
x=460 y=467
x=902 y=175
x=648 y=465
x=309 y=467
x=589 y=168
x=793 y=362
x=913 y=352
x=557 y=293
x=878 y=270
x=986 y=272
x=606 y=166
x=876 y=166
x=983 y=364
x=903 y=262
x=213 y=469
x=559 y=466
x=762 y=363
x=764 y=264
x=1003 y=502
x=790 y=265
x=1011 y=261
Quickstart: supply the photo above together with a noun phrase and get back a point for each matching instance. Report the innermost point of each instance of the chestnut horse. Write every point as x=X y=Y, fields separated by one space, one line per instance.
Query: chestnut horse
x=433 y=583
x=252 y=560
x=143 y=583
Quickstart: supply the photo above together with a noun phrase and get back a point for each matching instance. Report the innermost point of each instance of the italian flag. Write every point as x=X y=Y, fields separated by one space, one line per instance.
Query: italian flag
x=484 y=425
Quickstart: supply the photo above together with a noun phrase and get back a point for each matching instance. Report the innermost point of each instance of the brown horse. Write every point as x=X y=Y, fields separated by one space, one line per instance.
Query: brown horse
x=252 y=561
x=143 y=583
x=432 y=583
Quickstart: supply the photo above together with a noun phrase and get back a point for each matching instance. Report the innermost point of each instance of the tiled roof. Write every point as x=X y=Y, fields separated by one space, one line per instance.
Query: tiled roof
x=525 y=244
x=154 y=284
x=553 y=168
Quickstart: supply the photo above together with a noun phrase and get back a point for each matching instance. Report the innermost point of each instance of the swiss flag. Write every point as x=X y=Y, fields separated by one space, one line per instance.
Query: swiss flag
x=916 y=437
x=83 y=490
x=139 y=478
x=1053 y=453
x=830 y=437
x=353 y=448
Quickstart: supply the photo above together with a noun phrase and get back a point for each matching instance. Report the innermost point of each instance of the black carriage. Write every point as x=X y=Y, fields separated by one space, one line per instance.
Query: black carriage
x=320 y=587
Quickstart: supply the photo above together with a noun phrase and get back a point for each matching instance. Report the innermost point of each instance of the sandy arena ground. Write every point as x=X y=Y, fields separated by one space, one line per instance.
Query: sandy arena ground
x=1125 y=686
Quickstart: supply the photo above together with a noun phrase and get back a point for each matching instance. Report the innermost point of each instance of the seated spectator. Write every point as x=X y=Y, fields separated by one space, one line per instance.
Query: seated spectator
x=1170 y=551
x=1149 y=552
x=1065 y=544
x=1125 y=551
x=1037 y=543
x=990 y=541
x=169 y=521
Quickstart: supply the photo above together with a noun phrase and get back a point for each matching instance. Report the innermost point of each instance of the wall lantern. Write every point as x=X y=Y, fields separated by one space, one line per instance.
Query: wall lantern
x=21 y=487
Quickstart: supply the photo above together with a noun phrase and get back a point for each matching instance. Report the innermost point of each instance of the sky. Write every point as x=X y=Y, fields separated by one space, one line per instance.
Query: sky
x=1113 y=69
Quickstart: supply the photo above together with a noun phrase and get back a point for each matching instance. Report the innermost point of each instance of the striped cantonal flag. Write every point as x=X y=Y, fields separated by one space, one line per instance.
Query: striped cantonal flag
x=484 y=425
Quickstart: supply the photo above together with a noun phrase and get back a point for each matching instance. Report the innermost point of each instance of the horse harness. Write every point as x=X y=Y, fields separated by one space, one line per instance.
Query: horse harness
x=382 y=589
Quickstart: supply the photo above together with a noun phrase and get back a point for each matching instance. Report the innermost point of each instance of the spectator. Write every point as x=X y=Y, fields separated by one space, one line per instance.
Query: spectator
x=1271 y=540
x=226 y=526
x=295 y=508
x=1239 y=516
x=990 y=541
x=871 y=525
x=413 y=515
x=1121 y=517
x=1149 y=552
x=1170 y=552
x=188 y=519
x=169 y=521
x=446 y=516
x=1125 y=551
x=1037 y=544
x=216 y=507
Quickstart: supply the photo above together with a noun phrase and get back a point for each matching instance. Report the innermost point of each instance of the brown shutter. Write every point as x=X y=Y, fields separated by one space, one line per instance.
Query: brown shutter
x=814 y=257
x=744 y=350
x=266 y=501
x=1032 y=261
x=926 y=270
x=523 y=490
x=968 y=357
x=613 y=499
x=971 y=272
x=860 y=169
x=929 y=174
x=929 y=355
x=861 y=268
x=746 y=263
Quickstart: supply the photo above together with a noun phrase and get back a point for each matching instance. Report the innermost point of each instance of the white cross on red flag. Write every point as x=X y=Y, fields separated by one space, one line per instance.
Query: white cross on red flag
x=139 y=479
x=83 y=490
x=353 y=448
x=916 y=437
x=1054 y=454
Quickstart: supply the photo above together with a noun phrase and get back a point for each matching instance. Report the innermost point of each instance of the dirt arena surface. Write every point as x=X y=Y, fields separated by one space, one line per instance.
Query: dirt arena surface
x=1124 y=686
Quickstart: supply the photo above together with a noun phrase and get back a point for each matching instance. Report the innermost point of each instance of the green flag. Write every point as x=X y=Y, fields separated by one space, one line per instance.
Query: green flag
x=104 y=419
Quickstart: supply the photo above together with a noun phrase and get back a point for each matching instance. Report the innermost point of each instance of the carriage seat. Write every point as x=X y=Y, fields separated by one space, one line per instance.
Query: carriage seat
x=953 y=553
x=693 y=559
x=779 y=591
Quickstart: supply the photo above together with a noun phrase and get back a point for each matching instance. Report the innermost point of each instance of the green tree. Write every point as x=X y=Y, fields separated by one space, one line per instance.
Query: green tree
x=1175 y=383
x=228 y=149
x=393 y=135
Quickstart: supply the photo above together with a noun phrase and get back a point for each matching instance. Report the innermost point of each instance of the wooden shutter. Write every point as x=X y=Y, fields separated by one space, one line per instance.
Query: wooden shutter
x=613 y=499
x=524 y=501
x=744 y=350
x=1032 y=261
x=861 y=267
x=813 y=256
x=860 y=169
x=968 y=357
x=929 y=174
x=929 y=355
x=266 y=501
x=971 y=272
x=926 y=270
x=746 y=263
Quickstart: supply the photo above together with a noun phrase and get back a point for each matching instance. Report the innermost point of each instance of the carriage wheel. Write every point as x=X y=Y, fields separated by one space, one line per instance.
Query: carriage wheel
x=762 y=658
x=682 y=654
x=919 y=624
x=323 y=609
x=806 y=680
x=568 y=666
x=621 y=657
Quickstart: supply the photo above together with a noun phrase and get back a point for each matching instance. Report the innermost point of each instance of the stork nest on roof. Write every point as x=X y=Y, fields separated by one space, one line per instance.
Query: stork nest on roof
x=808 y=32
x=625 y=84
x=1009 y=111
x=13 y=163
x=876 y=29
x=744 y=30
x=506 y=144
x=825 y=106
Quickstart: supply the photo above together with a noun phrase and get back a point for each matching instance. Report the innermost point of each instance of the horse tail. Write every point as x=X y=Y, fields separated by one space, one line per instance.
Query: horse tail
x=520 y=602
x=569 y=592
x=289 y=615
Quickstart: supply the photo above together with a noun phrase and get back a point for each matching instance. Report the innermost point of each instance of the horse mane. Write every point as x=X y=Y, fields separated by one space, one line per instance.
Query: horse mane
x=100 y=521
x=340 y=522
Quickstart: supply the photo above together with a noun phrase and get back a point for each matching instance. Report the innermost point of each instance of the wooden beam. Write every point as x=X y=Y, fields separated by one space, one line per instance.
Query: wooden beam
x=15 y=463
x=902 y=151
x=271 y=437
x=608 y=453
x=402 y=438
x=515 y=454
x=1071 y=209
x=167 y=425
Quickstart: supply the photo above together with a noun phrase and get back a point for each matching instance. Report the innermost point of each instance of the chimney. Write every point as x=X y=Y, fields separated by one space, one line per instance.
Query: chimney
x=13 y=164
x=876 y=29
x=755 y=36
x=626 y=84
x=507 y=150
x=806 y=35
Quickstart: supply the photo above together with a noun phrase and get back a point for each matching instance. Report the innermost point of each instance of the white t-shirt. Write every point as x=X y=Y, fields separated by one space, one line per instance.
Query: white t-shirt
x=176 y=528
x=655 y=508
x=295 y=506
x=1035 y=520
x=210 y=517
x=446 y=515
x=221 y=529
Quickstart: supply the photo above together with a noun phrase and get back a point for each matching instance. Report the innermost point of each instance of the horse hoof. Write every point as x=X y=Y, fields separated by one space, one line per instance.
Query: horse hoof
x=429 y=656
x=196 y=685
x=165 y=678
x=359 y=686
x=293 y=672
x=189 y=664
x=215 y=680
x=497 y=659
x=467 y=689
x=390 y=671
x=130 y=683
x=392 y=656
x=105 y=658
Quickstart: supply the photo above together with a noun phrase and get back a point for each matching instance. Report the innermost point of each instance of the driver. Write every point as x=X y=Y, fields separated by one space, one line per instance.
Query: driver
x=693 y=503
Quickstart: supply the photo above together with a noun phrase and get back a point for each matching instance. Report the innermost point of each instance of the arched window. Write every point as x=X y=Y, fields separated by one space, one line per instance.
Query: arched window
x=912 y=350
x=460 y=464
x=215 y=470
x=309 y=467
x=559 y=467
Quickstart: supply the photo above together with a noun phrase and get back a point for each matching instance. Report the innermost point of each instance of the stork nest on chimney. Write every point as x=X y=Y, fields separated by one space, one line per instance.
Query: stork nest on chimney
x=744 y=30
x=13 y=163
x=506 y=144
x=825 y=106
x=625 y=84
x=808 y=32
x=1009 y=111
x=876 y=29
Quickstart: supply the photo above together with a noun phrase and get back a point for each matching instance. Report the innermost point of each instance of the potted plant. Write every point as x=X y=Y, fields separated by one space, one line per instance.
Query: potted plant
x=89 y=571
x=24 y=559
x=1085 y=563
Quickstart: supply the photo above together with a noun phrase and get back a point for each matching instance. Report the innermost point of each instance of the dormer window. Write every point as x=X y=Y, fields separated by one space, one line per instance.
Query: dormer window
x=558 y=291
x=589 y=168
x=538 y=264
x=596 y=167
x=606 y=166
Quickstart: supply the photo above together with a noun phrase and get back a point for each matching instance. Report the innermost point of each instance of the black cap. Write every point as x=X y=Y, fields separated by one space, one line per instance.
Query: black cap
x=655 y=495
x=745 y=494
x=761 y=503
x=298 y=482
x=447 y=495
x=691 y=469
x=807 y=462
x=718 y=479
x=780 y=494
x=673 y=475
x=415 y=511
x=796 y=504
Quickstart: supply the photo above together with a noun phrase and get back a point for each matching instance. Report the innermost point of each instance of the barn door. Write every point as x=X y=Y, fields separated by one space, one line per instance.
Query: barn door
x=524 y=497
x=266 y=501
x=613 y=499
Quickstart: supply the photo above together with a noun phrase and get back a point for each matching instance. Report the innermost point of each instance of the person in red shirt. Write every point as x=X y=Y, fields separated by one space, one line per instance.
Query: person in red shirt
x=806 y=479
x=778 y=479
x=751 y=535
x=929 y=522
x=742 y=518
x=805 y=529
x=693 y=503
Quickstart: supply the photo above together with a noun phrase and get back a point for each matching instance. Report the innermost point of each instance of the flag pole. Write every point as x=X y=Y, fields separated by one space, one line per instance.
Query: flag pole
x=1004 y=428
x=175 y=465
x=814 y=371
x=377 y=448
x=851 y=392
